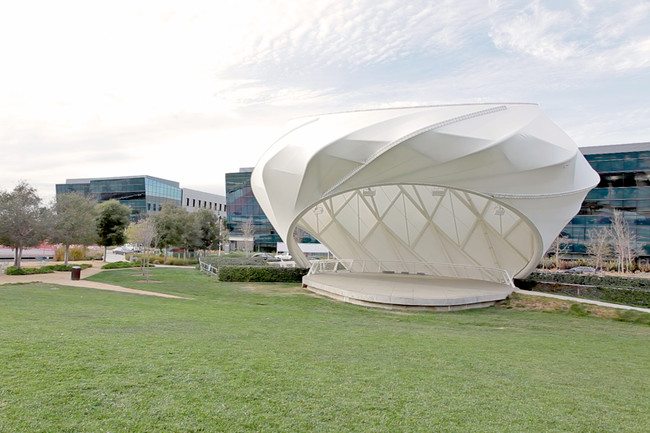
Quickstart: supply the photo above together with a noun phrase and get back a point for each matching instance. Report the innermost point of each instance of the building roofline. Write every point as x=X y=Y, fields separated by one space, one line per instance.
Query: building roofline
x=615 y=148
x=88 y=180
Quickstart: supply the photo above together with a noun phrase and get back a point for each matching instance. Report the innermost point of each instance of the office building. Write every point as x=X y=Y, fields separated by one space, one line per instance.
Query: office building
x=624 y=171
x=144 y=194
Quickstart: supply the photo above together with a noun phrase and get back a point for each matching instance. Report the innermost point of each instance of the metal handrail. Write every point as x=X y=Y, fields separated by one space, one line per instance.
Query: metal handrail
x=472 y=272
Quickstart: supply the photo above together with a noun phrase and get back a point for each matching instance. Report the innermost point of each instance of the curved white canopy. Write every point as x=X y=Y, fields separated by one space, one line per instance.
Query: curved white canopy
x=488 y=185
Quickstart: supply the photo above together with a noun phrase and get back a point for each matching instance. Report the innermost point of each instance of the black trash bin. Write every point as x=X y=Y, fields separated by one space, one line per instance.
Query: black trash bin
x=76 y=273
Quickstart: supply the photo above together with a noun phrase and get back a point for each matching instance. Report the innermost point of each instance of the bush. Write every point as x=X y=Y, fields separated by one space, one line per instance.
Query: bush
x=64 y=268
x=619 y=290
x=122 y=265
x=235 y=261
x=13 y=270
x=266 y=274
x=180 y=262
x=74 y=253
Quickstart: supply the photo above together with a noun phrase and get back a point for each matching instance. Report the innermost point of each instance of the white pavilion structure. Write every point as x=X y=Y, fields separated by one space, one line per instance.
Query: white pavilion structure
x=436 y=207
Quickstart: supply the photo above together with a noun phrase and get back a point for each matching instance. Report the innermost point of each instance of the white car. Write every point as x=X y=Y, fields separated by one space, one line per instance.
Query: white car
x=285 y=256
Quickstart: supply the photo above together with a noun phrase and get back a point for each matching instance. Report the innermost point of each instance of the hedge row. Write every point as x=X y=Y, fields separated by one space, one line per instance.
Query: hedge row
x=590 y=279
x=219 y=261
x=264 y=274
x=12 y=270
x=122 y=265
x=625 y=296
x=618 y=290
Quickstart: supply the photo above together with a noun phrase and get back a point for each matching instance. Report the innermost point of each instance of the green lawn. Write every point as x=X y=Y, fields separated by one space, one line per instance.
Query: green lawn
x=243 y=357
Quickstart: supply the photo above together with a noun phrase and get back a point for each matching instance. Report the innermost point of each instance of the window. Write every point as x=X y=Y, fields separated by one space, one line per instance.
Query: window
x=188 y=202
x=193 y=203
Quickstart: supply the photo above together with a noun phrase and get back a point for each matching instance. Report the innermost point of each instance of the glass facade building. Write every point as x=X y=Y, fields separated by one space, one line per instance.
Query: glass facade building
x=242 y=206
x=143 y=194
x=624 y=185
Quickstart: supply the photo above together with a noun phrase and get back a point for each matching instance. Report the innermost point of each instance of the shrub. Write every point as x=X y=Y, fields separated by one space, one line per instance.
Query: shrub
x=13 y=270
x=620 y=290
x=122 y=265
x=235 y=261
x=64 y=268
x=74 y=253
x=180 y=262
x=264 y=274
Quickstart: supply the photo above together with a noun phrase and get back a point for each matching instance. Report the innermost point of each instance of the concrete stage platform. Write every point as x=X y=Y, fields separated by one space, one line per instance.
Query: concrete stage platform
x=407 y=291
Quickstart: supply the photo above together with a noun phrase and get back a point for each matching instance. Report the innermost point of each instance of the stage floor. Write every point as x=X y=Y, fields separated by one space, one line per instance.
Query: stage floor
x=407 y=291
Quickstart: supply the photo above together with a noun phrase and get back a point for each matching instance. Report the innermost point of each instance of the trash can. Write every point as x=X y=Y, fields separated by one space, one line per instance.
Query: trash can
x=76 y=273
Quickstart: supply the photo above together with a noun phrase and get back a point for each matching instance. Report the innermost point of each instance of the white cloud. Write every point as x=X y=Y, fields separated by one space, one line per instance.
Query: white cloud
x=190 y=91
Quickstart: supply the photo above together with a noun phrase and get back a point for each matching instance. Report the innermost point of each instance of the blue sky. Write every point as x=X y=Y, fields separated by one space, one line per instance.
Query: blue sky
x=188 y=90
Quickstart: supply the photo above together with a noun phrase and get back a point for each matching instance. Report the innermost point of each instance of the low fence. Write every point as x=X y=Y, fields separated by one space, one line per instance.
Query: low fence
x=207 y=267
x=470 y=272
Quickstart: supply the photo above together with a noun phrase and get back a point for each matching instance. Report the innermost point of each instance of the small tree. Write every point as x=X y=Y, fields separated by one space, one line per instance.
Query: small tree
x=624 y=242
x=22 y=219
x=112 y=220
x=143 y=233
x=224 y=235
x=74 y=221
x=599 y=245
x=248 y=230
x=558 y=249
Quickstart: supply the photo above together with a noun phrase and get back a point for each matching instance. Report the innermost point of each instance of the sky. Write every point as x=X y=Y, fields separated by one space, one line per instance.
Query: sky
x=189 y=90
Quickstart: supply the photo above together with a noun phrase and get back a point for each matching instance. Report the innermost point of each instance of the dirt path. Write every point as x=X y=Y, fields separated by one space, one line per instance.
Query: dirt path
x=63 y=278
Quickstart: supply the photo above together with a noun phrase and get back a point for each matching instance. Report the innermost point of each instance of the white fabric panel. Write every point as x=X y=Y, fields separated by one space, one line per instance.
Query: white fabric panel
x=481 y=184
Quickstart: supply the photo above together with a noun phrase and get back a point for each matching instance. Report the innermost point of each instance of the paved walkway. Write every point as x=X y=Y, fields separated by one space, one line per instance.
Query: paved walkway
x=63 y=278
x=582 y=300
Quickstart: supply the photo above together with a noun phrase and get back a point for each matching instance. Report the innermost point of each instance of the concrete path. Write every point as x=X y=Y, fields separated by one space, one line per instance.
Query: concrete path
x=582 y=300
x=63 y=278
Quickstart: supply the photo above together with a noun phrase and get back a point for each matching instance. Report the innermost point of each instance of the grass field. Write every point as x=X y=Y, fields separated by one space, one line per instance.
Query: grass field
x=242 y=357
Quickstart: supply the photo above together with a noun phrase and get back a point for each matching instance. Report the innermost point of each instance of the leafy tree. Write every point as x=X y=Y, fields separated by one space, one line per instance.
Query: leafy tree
x=191 y=237
x=112 y=220
x=74 y=221
x=208 y=225
x=170 y=225
x=22 y=219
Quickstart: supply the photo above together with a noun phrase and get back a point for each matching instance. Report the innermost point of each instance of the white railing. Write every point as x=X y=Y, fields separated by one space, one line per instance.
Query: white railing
x=471 y=272
x=207 y=267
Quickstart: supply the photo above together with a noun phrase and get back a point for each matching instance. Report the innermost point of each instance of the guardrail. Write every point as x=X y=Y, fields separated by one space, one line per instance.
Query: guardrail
x=471 y=272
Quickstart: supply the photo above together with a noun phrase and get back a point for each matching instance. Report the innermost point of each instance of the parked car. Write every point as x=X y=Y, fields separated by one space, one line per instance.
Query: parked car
x=265 y=256
x=581 y=270
x=285 y=256
x=124 y=249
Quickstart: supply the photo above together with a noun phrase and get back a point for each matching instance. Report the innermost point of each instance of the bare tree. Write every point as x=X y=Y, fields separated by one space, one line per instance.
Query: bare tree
x=599 y=245
x=223 y=236
x=248 y=230
x=143 y=232
x=558 y=249
x=624 y=242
